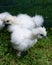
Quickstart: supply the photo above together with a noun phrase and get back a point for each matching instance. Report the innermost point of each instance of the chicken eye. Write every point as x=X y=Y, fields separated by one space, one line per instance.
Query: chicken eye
x=41 y=34
x=7 y=21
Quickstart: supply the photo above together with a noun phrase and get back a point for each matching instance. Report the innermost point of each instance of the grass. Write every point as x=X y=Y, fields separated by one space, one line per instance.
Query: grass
x=40 y=54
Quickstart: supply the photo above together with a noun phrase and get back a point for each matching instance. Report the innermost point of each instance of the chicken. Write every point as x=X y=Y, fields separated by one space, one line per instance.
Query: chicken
x=2 y=18
x=22 y=39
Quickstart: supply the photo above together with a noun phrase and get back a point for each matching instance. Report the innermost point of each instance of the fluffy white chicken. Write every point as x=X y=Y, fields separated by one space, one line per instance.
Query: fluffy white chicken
x=22 y=39
x=2 y=18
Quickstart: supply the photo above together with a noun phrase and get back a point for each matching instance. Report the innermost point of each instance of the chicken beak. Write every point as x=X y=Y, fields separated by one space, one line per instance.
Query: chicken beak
x=44 y=37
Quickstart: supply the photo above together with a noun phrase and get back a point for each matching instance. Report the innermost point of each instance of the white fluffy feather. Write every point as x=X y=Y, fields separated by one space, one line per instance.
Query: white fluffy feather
x=22 y=38
x=38 y=20
x=25 y=21
x=3 y=15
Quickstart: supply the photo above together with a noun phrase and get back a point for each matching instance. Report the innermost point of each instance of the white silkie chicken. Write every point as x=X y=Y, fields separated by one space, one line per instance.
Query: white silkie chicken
x=2 y=18
x=22 y=38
